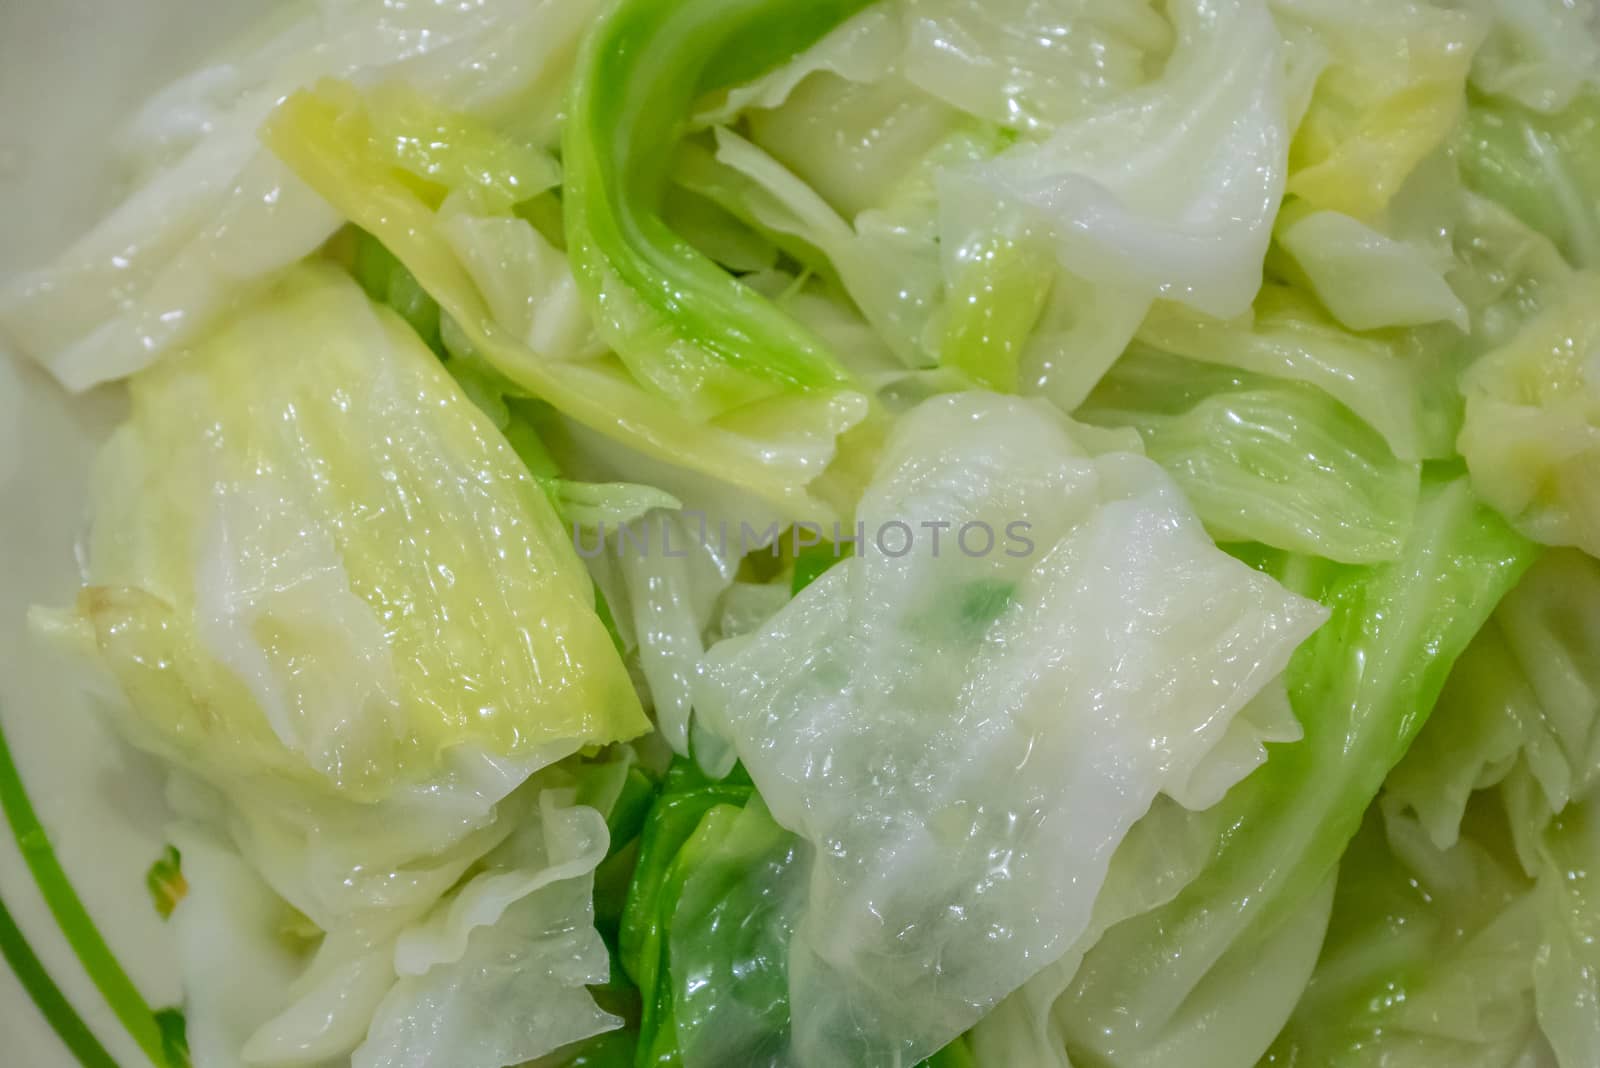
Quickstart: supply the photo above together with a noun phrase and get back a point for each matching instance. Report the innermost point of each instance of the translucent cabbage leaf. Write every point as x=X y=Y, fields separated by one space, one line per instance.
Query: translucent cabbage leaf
x=1262 y=460
x=774 y=449
x=1163 y=852
x=1031 y=66
x=713 y=906
x=683 y=326
x=526 y=283
x=1429 y=957
x=1367 y=279
x=1532 y=432
x=661 y=583
x=1022 y=66
x=403 y=969
x=857 y=143
x=862 y=48
x=885 y=713
x=1362 y=688
x=1288 y=337
x=496 y=975
x=1539 y=53
x=842 y=164
x=610 y=504
x=298 y=571
x=1080 y=332
x=1391 y=94
x=1541 y=167
x=664 y=573
x=1001 y=286
x=1518 y=718
x=1566 y=971
x=235 y=949
x=1520 y=709
x=892 y=273
x=213 y=217
x=353 y=875
x=860 y=139
x=1506 y=273
x=1168 y=189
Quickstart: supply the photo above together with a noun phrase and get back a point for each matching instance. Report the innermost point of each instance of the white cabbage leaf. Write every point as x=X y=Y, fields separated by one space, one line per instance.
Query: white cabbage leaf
x=1389 y=96
x=375 y=931
x=1532 y=432
x=526 y=282
x=234 y=943
x=315 y=563
x=1029 y=65
x=216 y=216
x=1539 y=53
x=1367 y=279
x=333 y=596
x=497 y=974
x=966 y=738
x=1169 y=189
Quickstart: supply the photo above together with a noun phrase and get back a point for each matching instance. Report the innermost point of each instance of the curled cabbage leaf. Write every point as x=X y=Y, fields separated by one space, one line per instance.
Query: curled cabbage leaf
x=1532 y=432
x=315 y=562
x=478 y=955
x=1515 y=730
x=496 y=975
x=1367 y=279
x=1392 y=91
x=1169 y=189
x=1539 y=53
x=1159 y=988
x=1275 y=462
x=215 y=216
x=1519 y=711
x=955 y=729
x=683 y=326
x=1429 y=956
x=774 y=448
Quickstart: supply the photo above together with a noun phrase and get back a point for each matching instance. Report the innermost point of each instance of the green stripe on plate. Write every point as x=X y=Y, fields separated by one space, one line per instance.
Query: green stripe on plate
x=52 y=1003
x=73 y=919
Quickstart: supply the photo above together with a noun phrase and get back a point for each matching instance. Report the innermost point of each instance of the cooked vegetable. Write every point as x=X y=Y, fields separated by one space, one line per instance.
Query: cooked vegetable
x=315 y=560
x=922 y=719
x=956 y=533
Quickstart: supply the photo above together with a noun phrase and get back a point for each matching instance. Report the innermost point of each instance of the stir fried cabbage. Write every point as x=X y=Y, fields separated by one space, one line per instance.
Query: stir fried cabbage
x=883 y=533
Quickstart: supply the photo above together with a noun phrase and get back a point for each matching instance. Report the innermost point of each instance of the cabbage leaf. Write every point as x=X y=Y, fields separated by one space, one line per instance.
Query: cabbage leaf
x=1520 y=710
x=885 y=712
x=773 y=448
x=681 y=324
x=1532 y=432
x=213 y=217
x=1362 y=688
x=1540 y=167
x=1367 y=279
x=1429 y=957
x=298 y=572
x=1275 y=462
x=1391 y=94
x=1168 y=189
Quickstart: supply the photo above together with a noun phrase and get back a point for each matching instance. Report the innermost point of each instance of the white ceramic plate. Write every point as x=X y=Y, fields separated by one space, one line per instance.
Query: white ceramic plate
x=70 y=70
